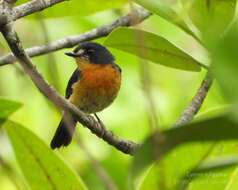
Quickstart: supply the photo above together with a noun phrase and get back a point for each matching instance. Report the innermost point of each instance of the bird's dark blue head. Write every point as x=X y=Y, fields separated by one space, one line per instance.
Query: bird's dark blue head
x=92 y=52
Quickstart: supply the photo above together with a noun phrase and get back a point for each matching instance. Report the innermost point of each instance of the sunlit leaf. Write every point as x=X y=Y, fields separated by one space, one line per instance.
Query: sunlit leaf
x=152 y=47
x=41 y=167
x=211 y=17
x=214 y=180
x=7 y=107
x=207 y=168
x=186 y=168
x=156 y=146
x=216 y=164
x=164 y=11
x=232 y=182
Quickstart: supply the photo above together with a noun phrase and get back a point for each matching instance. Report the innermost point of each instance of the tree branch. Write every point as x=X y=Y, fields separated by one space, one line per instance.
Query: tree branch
x=15 y=45
x=22 y=10
x=32 y=7
x=71 y=41
x=196 y=102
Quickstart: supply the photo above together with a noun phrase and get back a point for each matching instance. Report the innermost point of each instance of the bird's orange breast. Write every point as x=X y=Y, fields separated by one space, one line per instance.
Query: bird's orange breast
x=97 y=88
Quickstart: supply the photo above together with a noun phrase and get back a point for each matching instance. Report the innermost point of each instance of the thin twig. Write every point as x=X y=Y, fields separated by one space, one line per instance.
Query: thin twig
x=71 y=41
x=189 y=114
x=23 y=10
x=32 y=7
x=196 y=103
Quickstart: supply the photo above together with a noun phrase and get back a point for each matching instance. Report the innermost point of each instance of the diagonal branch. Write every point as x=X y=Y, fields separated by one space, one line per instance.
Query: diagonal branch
x=32 y=7
x=22 y=10
x=71 y=41
x=197 y=101
x=16 y=47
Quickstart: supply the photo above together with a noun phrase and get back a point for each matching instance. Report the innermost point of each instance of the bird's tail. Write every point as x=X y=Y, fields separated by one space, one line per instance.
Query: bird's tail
x=64 y=132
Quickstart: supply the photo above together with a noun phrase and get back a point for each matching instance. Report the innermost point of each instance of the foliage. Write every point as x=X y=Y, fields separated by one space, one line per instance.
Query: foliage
x=41 y=167
x=8 y=107
x=151 y=47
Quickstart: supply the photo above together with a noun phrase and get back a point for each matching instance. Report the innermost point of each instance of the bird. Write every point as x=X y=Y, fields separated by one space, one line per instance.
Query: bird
x=92 y=87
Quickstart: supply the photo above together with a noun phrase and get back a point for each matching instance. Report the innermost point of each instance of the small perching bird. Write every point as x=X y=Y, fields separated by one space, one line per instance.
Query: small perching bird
x=92 y=87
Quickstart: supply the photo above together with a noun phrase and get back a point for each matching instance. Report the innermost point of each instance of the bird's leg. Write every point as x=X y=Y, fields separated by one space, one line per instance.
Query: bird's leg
x=101 y=124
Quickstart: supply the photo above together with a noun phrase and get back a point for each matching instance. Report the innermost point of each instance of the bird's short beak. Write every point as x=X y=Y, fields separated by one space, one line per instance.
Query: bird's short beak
x=70 y=54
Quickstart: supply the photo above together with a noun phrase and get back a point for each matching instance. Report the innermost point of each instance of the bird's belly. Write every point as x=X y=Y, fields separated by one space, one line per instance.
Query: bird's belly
x=95 y=100
x=93 y=94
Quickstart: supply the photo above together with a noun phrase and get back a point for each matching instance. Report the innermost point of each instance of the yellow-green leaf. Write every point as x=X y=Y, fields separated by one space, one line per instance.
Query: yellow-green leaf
x=211 y=17
x=152 y=47
x=7 y=107
x=232 y=182
x=157 y=145
x=39 y=164
x=164 y=11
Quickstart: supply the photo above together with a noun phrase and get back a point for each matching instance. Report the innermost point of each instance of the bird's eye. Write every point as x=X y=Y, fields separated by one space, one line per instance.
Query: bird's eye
x=91 y=51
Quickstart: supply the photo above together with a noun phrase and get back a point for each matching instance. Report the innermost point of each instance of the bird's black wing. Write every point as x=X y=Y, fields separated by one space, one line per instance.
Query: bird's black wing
x=74 y=78
x=116 y=67
x=63 y=134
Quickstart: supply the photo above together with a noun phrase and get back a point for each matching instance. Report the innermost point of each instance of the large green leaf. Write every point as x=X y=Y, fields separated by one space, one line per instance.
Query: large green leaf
x=156 y=146
x=211 y=17
x=165 y=11
x=207 y=169
x=186 y=168
x=165 y=176
x=41 y=167
x=82 y=7
x=152 y=47
x=7 y=107
x=213 y=180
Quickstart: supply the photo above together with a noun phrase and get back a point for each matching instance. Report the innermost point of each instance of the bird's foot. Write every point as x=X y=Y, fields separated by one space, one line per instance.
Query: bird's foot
x=102 y=126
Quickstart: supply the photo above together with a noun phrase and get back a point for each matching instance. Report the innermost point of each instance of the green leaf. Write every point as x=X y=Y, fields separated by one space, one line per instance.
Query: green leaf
x=7 y=107
x=213 y=180
x=232 y=182
x=216 y=164
x=156 y=146
x=152 y=47
x=82 y=8
x=211 y=17
x=209 y=167
x=186 y=168
x=164 y=11
x=41 y=167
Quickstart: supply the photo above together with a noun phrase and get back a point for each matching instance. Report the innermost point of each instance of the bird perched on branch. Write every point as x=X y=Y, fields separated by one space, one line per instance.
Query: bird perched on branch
x=92 y=87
